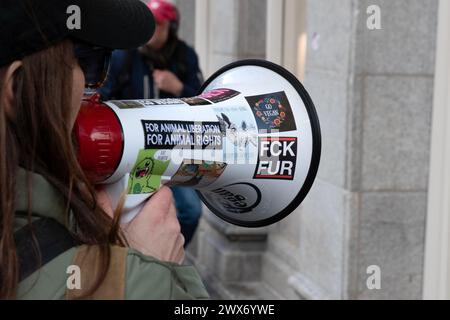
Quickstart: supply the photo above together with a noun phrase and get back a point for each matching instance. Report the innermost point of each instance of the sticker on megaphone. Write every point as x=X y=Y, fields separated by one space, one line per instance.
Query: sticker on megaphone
x=250 y=144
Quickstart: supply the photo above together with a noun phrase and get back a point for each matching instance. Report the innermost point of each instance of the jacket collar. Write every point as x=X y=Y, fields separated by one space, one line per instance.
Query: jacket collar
x=46 y=201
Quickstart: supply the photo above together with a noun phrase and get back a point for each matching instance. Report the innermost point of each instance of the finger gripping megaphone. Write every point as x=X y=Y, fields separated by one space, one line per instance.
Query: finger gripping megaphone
x=250 y=144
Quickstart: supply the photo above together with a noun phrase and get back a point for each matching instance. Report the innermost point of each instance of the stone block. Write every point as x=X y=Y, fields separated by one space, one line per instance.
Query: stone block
x=405 y=44
x=397 y=129
x=392 y=231
x=329 y=27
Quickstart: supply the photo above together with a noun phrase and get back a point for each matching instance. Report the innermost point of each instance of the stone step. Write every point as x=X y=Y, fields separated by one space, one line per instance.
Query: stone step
x=247 y=291
x=219 y=290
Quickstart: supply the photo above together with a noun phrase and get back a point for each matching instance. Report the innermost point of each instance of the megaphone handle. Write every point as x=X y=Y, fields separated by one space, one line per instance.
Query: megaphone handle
x=129 y=214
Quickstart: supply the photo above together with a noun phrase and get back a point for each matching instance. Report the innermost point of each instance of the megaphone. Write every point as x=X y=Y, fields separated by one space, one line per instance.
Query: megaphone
x=250 y=144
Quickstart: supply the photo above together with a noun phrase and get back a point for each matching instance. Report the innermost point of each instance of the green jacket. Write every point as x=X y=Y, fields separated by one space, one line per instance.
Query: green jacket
x=145 y=277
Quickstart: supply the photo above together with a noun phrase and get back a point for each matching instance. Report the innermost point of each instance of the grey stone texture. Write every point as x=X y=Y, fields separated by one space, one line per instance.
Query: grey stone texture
x=397 y=128
x=406 y=43
x=238 y=31
x=187 y=22
x=392 y=229
x=377 y=137
x=330 y=96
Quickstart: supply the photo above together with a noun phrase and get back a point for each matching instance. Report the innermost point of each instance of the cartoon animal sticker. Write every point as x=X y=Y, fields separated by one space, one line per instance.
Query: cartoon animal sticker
x=147 y=172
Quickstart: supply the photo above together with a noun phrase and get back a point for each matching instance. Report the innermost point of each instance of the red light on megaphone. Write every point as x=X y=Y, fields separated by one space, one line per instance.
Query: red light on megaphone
x=99 y=137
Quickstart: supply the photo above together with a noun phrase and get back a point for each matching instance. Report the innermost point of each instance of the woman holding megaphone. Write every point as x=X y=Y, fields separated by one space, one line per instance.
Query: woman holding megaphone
x=59 y=238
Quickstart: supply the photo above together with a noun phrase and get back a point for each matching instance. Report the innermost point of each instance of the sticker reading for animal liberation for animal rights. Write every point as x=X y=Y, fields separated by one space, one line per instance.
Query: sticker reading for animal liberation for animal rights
x=148 y=170
x=273 y=112
x=168 y=135
x=277 y=158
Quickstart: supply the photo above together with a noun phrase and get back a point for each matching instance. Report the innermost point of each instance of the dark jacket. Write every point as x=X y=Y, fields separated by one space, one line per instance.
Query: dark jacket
x=130 y=76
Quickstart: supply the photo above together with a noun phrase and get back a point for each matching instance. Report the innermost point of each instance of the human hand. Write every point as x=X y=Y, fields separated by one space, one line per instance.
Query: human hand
x=167 y=81
x=155 y=231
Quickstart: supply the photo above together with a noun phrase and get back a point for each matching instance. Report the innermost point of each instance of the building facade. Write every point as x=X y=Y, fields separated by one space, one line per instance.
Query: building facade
x=375 y=85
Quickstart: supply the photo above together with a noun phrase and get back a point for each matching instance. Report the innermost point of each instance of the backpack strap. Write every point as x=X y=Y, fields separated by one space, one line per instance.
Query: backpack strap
x=52 y=240
x=87 y=259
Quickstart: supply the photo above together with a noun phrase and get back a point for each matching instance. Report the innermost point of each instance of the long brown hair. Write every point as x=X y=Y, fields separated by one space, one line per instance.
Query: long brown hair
x=38 y=137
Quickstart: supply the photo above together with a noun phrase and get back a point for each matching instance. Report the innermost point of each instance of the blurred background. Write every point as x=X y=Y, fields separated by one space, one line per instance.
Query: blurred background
x=375 y=225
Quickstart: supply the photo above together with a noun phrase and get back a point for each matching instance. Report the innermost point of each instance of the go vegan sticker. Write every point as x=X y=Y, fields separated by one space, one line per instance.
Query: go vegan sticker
x=273 y=112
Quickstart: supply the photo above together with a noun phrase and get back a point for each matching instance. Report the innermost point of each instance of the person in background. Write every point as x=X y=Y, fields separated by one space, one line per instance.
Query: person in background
x=166 y=67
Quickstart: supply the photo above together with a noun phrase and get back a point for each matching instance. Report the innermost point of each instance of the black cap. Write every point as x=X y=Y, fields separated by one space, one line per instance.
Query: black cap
x=28 y=26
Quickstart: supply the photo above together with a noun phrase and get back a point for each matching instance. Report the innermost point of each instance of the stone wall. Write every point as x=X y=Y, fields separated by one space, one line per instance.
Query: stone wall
x=392 y=103
x=236 y=31
x=373 y=92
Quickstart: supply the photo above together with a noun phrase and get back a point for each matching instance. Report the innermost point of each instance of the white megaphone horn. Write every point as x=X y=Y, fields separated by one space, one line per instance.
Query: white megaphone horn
x=250 y=144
